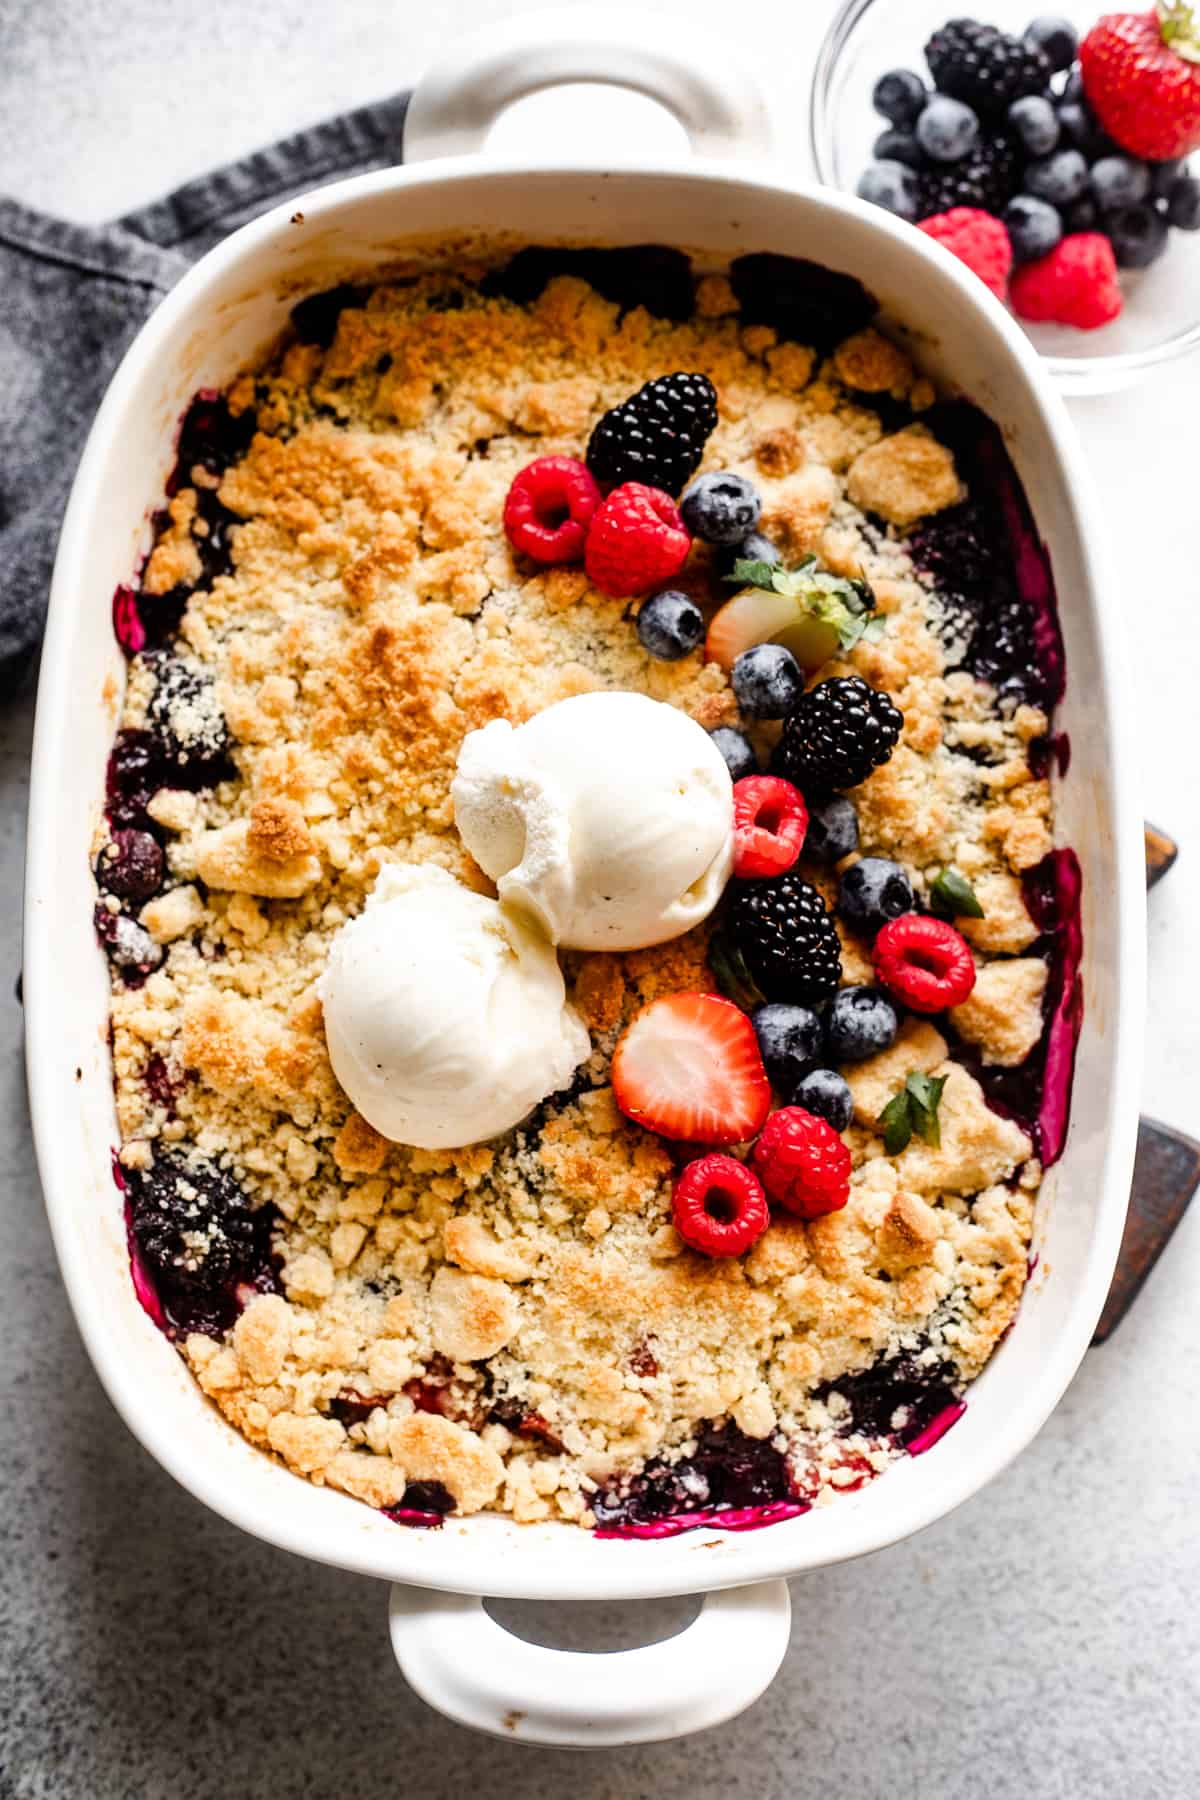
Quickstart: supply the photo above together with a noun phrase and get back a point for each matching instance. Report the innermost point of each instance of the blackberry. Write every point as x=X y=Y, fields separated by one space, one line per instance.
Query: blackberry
x=987 y=177
x=198 y=1237
x=190 y=732
x=787 y=938
x=657 y=435
x=984 y=66
x=957 y=549
x=1004 y=651
x=801 y=300
x=838 y=732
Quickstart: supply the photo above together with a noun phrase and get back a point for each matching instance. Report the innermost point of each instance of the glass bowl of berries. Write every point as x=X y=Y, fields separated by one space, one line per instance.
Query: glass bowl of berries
x=1051 y=153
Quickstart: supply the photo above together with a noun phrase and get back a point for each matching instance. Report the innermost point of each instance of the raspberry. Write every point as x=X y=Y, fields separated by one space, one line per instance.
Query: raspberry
x=924 y=963
x=1076 y=284
x=977 y=240
x=549 y=508
x=636 y=541
x=803 y=1163
x=719 y=1206
x=769 y=823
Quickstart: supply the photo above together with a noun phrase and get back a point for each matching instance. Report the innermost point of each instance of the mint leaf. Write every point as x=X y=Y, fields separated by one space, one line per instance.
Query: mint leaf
x=749 y=572
x=952 y=896
x=732 y=976
x=914 y=1108
x=896 y=1120
x=925 y=1096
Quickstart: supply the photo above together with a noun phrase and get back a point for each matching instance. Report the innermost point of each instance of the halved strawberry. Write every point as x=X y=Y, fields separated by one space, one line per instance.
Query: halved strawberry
x=759 y=616
x=689 y=1067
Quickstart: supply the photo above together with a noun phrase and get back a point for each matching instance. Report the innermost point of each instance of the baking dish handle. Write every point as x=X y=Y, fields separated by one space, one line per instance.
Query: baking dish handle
x=459 y=1660
x=694 y=76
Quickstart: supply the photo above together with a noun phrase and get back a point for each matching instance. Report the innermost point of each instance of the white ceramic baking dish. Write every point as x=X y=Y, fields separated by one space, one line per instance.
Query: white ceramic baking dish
x=226 y=309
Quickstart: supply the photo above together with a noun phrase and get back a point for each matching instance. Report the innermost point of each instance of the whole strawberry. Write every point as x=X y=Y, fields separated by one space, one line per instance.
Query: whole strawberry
x=1141 y=75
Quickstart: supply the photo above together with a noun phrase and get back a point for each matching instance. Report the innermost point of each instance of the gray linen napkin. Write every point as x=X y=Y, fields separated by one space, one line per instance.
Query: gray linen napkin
x=73 y=296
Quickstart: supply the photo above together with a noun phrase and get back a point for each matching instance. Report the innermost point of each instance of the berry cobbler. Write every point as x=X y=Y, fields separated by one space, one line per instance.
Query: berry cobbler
x=593 y=992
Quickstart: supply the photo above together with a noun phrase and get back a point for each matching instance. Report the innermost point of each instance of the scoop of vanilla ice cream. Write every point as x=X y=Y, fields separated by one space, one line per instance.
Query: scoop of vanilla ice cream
x=608 y=817
x=445 y=1017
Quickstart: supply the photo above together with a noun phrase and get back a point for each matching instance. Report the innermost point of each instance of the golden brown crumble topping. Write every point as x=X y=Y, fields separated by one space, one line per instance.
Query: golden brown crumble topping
x=374 y=615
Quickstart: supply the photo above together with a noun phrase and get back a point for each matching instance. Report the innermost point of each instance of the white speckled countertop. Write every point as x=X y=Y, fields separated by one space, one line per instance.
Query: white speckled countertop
x=1043 y=1642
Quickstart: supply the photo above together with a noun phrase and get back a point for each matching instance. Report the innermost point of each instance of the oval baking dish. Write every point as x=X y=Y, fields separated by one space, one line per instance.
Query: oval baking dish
x=231 y=305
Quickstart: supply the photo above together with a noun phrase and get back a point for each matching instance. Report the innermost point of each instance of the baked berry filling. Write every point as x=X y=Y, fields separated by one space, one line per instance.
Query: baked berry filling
x=338 y=616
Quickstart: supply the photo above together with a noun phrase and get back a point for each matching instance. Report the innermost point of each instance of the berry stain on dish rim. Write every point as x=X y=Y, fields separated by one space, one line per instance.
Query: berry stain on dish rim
x=734 y=1482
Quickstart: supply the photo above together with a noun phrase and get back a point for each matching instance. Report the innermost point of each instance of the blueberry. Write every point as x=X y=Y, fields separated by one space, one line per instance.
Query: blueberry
x=1119 y=181
x=892 y=186
x=669 y=625
x=1035 y=122
x=1163 y=174
x=131 y=866
x=832 y=830
x=872 y=892
x=1033 y=226
x=755 y=548
x=947 y=129
x=1183 y=203
x=1072 y=92
x=767 y=681
x=899 y=96
x=1083 y=216
x=1138 y=234
x=1059 y=178
x=1077 y=124
x=738 y=752
x=790 y=1039
x=861 y=1023
x=898 y=146
x=721 y=508
x=1056 y=38
x=825 y=1093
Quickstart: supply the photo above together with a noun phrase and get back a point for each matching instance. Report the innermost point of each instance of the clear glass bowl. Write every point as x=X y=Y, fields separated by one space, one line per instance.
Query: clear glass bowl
x=1161 y=317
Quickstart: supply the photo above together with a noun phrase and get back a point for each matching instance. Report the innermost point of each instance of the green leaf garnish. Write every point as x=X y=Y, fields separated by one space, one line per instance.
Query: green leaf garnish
x=952 y=896
x=747 y=572
x=914 y=1108
x=732 y=976
x=845 y=603
x=1179 y=29
x=896 y=1119
x=925 y=1096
